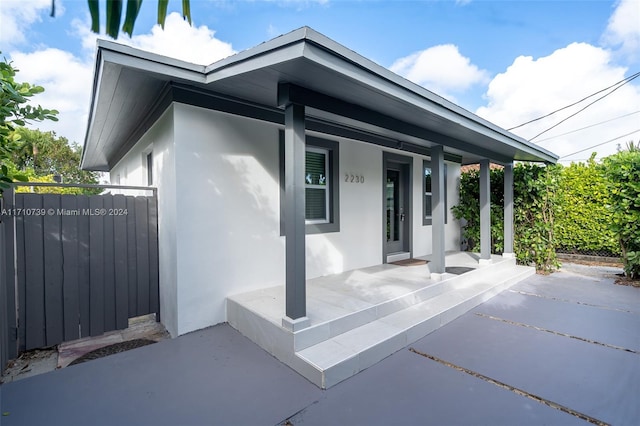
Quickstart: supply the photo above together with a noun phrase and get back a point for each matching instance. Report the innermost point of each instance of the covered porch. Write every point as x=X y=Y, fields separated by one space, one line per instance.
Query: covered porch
x=357 y=318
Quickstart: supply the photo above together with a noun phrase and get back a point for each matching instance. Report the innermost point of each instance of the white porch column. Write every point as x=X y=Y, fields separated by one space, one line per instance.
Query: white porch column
x=437 y=265
x=485 y=212
x=294 y=218
x=508 y=211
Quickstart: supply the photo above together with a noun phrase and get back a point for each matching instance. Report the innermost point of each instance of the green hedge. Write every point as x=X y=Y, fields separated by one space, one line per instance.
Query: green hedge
x=583 y=215
x=584 y=207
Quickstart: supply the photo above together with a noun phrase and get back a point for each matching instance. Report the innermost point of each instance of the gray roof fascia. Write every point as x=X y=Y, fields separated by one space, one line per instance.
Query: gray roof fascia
x=97 y=76
x=152 y=63
x=378 y=77
x=132 y=52
x=294 y=37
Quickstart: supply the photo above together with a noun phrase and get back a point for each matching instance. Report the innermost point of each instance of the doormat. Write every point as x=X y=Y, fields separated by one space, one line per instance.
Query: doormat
x=458 y=270
x=410 y=262
x=112 y=349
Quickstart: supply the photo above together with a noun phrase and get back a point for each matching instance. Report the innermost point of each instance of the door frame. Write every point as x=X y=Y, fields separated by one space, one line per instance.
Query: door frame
x=406 y=169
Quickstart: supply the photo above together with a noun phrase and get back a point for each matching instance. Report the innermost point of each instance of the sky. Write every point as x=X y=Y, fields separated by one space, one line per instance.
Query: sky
x=507 y=61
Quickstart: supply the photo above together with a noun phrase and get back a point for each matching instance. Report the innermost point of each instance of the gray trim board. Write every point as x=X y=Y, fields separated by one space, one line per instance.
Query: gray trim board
x=230 y=105
x=313 y=99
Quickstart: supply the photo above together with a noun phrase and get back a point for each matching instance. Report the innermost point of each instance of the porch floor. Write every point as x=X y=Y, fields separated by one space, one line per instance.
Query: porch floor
x=359 y=317
x=333 y=296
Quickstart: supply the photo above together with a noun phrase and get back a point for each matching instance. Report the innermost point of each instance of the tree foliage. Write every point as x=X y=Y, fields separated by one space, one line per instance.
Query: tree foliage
x=622 y=172
x=15 y=111
x=42 y=156
x=114 y=8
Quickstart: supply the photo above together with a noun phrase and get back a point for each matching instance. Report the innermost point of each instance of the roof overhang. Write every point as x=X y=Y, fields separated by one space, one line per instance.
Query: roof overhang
x=339 y=87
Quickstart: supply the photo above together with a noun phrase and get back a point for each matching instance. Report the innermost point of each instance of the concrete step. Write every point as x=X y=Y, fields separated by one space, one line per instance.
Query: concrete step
x=318 y=333
x=339 y=357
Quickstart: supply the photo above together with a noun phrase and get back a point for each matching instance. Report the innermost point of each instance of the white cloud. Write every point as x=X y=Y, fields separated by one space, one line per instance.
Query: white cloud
x=182 y=41
x=623 y=29
x=441 y=69
x=16 y=16
x=67 y=88
x=530 y=88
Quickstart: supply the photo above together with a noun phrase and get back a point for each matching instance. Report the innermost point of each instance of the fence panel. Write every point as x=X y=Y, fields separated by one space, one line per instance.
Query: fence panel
x=85 y=265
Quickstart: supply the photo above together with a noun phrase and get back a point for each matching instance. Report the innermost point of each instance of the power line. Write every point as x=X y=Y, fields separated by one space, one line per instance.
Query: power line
x=601 y=143
x=587 y=127
x=582 y=109
x=624 y=80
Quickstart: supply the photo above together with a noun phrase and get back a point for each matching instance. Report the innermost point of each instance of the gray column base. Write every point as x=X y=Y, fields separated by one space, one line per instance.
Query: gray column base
x=509 y=255
x=485 y=261
x=295 y=324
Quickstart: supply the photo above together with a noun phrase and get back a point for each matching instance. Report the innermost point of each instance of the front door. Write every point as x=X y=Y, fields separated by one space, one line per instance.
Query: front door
x=397 y=207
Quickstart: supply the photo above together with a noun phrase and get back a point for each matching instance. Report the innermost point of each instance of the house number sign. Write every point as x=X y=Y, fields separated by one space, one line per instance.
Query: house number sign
x=351 y=178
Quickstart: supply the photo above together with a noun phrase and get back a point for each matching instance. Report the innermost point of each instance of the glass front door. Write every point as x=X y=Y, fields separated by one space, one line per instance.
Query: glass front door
x=395 y=210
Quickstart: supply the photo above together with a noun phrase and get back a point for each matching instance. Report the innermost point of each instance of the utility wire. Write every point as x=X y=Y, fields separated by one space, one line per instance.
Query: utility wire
x=582 y=109
x=586 y=127
x=624 y=80
x=601 y=143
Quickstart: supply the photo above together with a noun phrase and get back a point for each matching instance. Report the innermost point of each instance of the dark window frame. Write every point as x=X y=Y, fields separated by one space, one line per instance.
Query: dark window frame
x=333 y=149
x=149 y=164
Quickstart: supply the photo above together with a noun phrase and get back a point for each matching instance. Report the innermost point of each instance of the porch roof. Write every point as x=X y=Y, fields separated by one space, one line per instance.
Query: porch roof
x=346 y=91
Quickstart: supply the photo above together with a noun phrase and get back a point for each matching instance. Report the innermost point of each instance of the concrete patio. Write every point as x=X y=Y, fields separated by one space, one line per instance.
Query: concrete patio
x=560 y=349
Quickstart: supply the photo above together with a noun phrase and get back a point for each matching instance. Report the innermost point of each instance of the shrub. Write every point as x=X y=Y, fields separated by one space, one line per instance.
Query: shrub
x=583 y=216
x=535 y=201
x=622 y=171
x=535 y=189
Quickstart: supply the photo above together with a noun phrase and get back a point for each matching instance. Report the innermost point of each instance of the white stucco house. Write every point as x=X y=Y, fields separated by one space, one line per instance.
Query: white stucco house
x=285 y=165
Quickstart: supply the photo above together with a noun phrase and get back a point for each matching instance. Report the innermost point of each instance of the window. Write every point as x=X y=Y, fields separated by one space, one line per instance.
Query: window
x=317 y=183
x=427 y=204
x=322 y=210
x=149 y=160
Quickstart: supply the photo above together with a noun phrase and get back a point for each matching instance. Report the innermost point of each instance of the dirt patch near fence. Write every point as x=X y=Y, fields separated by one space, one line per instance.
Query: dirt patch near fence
x=112 y=349
x=30 y=363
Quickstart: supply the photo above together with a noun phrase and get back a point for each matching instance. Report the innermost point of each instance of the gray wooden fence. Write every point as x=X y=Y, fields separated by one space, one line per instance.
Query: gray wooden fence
x=76 y=266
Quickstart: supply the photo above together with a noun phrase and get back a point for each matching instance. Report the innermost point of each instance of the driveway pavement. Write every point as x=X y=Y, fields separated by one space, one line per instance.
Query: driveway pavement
x=561 y=349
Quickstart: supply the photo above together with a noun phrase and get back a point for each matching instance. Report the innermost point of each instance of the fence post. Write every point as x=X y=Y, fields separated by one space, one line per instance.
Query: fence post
x=4 y=329
x=8 y=329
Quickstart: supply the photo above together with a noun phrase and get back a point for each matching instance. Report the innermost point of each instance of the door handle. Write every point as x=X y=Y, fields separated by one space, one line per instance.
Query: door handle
x=402 y=217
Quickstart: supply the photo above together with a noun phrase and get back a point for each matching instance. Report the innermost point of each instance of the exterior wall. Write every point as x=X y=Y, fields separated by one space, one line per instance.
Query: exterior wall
x=131 y=170
x=218 y=190
x=228 y=201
